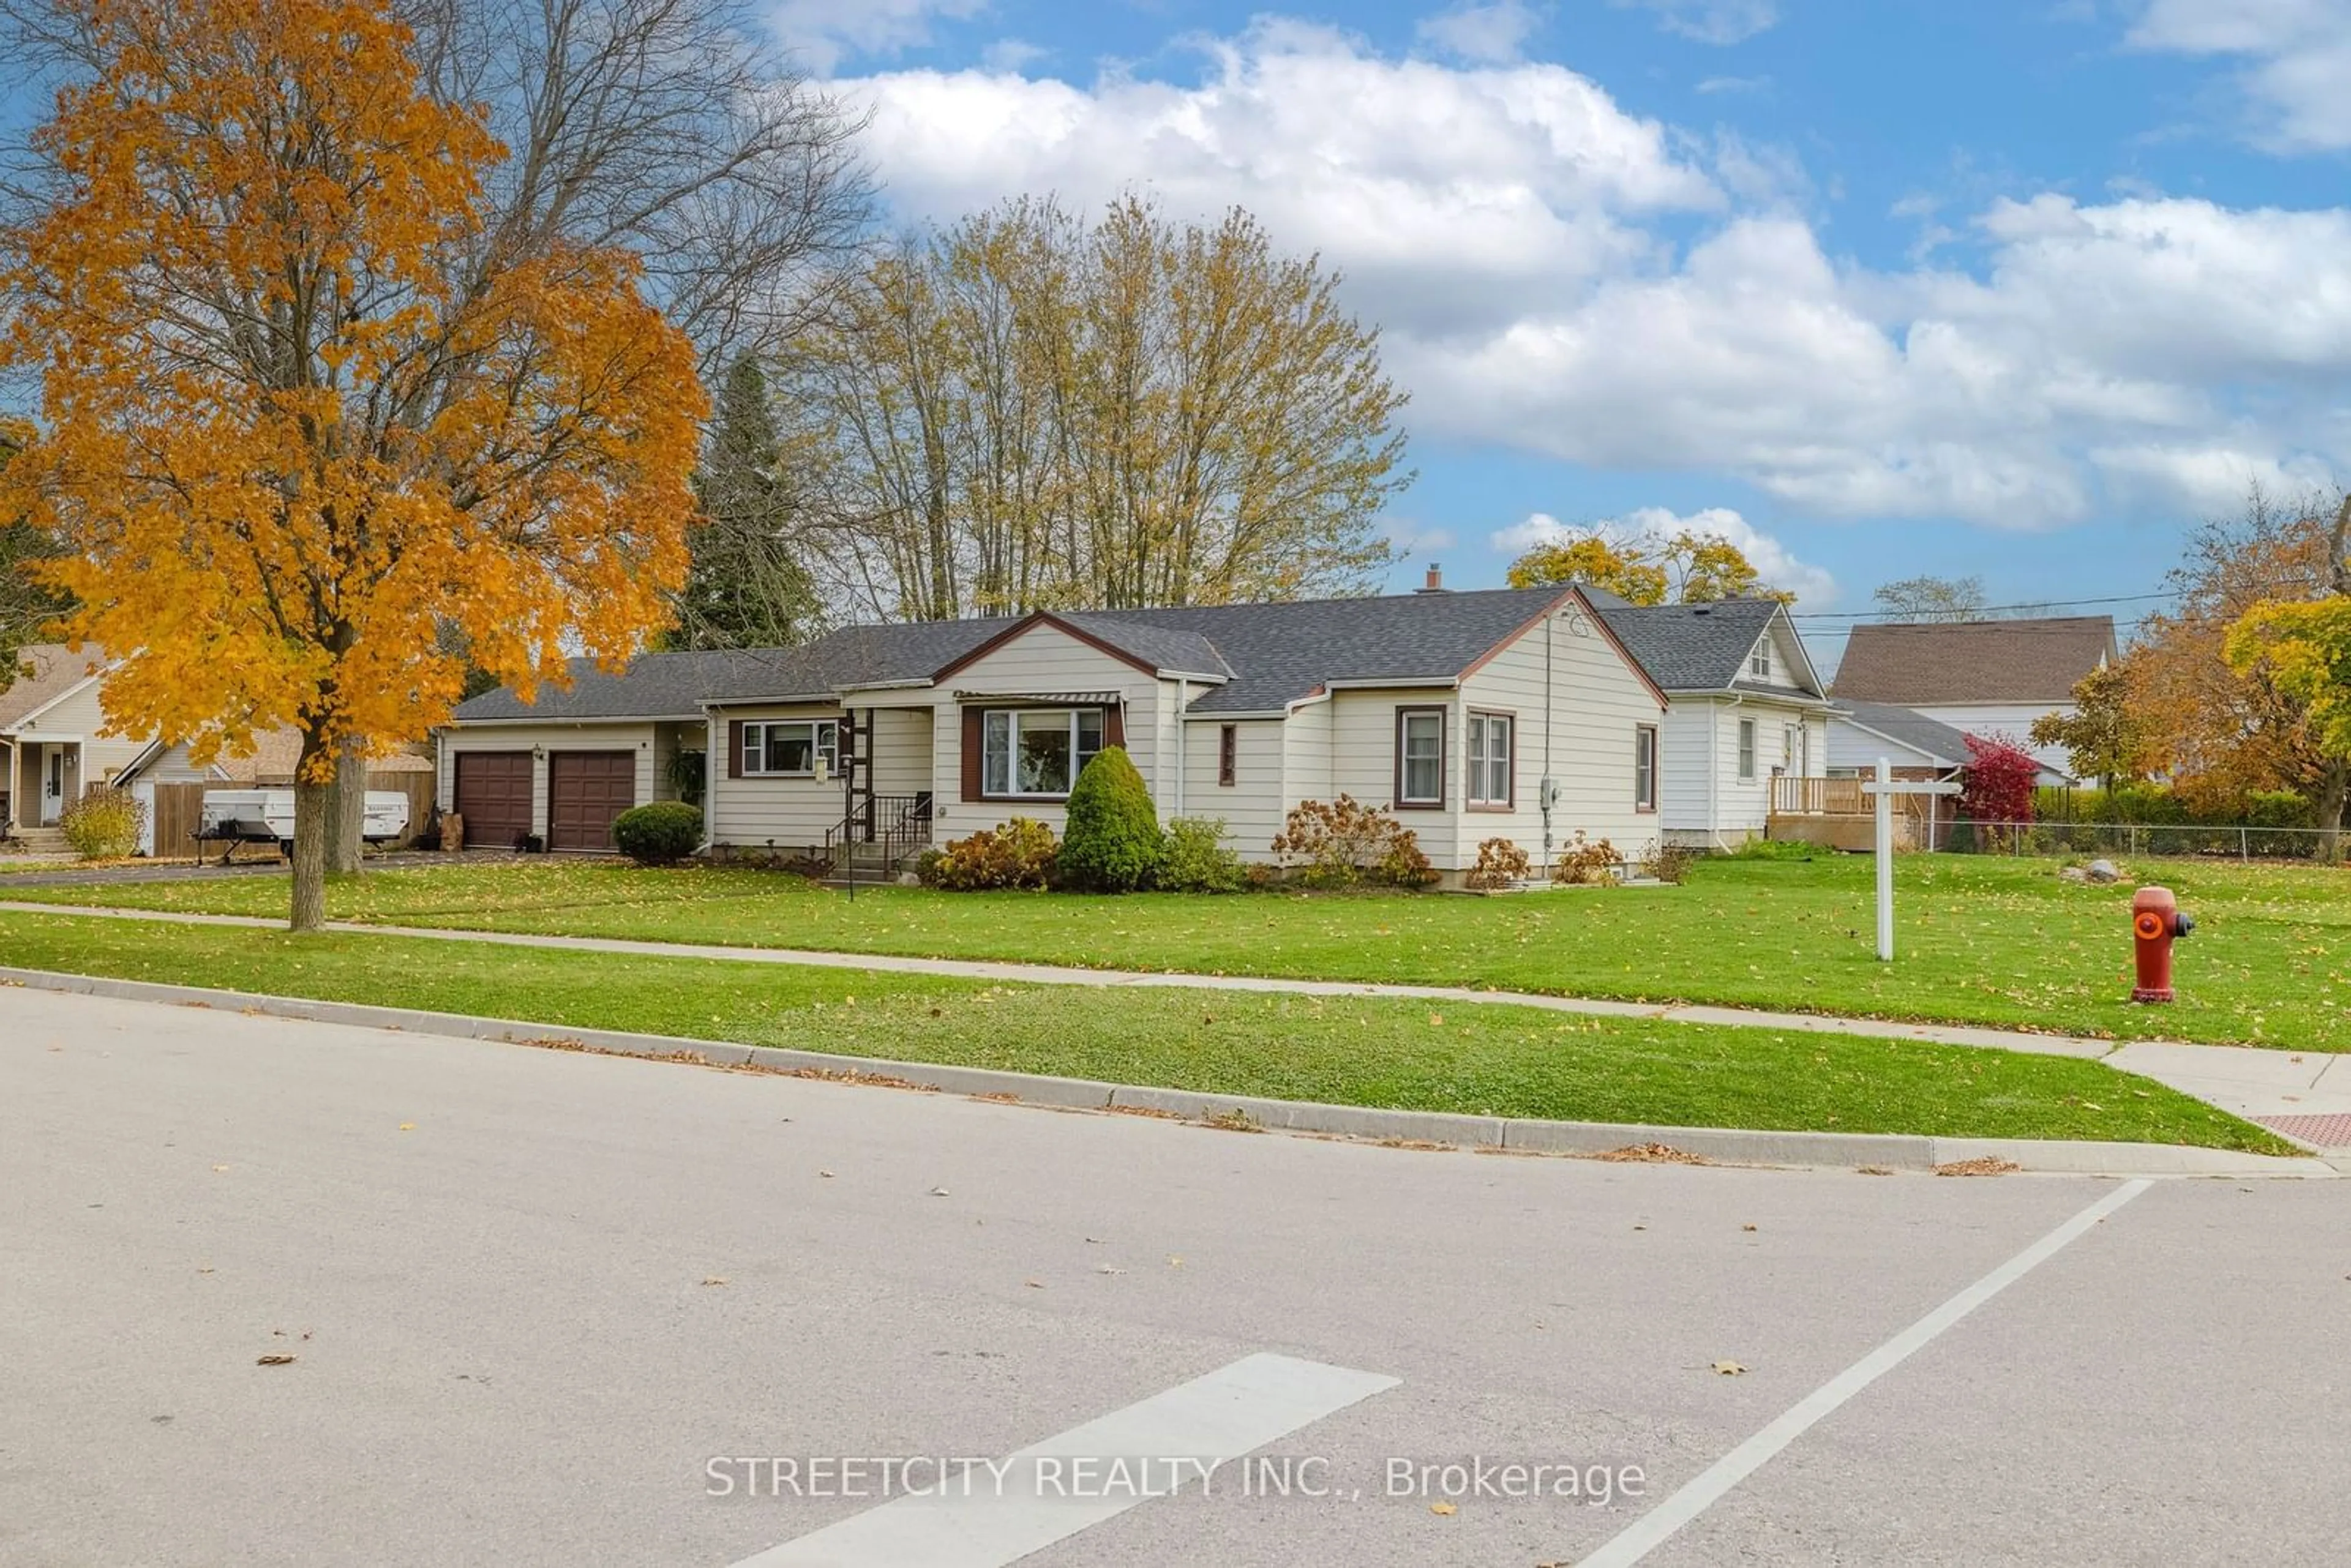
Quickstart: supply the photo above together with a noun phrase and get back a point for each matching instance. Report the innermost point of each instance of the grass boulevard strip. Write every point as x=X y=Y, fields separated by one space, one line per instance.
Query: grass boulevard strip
x=1984 y=940
x=1484 y=1059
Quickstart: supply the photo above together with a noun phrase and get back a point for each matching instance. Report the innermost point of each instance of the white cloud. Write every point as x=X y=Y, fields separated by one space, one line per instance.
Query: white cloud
x=823 y=33
x=1507 y=227
x=2297 y=56
x=1454 y=198
x=1711 y=21
x=1488 y=34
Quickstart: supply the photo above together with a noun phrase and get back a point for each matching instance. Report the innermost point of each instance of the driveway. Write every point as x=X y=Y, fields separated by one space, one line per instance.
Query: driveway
x=532 y=1295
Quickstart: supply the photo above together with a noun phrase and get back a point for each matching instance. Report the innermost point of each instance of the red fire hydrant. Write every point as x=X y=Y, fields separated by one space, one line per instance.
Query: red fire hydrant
x=2156 y=921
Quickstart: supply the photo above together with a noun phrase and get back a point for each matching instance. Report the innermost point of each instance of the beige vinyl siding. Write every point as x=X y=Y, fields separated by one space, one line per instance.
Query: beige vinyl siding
x=761 y=812
x=1043 y=659
x=1254 y=806
x=172 y=766
x=82 y=714
x=1586 y=730
x=1306 y=755
x=633 y=736
x=1363 y=761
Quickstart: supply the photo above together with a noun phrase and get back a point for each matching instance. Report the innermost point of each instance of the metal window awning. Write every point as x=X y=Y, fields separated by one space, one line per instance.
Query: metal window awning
x=1044 y=699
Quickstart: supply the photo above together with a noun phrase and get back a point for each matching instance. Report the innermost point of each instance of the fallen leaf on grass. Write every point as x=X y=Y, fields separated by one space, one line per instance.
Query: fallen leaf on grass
x=1728 y=1368
x=273 y=1361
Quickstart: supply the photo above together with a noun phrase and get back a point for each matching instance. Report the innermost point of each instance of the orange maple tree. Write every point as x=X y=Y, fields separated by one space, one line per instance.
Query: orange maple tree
x=304 y=404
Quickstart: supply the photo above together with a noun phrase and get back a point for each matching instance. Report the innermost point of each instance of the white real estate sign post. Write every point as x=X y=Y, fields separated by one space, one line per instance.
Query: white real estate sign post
x=1884 y=788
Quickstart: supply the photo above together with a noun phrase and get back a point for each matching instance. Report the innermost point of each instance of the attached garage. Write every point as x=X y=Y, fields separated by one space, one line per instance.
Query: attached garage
x=492 y=795
x=585 y=790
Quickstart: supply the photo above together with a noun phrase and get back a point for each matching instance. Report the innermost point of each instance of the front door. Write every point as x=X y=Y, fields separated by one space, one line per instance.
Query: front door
x=53 y=785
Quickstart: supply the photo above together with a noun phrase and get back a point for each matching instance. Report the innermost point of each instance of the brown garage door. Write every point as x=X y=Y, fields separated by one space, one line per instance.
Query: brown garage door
x=585 y=790
x=493 y=796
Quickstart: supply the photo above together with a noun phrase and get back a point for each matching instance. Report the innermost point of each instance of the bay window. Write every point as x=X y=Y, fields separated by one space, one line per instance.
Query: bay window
x=1037 y=753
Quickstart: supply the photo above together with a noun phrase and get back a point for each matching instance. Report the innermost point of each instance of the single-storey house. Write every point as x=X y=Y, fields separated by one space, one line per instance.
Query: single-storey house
x=1984 y=678
x=1746 y=711
x=1514 y=712
x=51 y=744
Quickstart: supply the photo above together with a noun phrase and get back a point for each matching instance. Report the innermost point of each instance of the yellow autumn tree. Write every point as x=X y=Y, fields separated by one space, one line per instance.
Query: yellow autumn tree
x=303 y=406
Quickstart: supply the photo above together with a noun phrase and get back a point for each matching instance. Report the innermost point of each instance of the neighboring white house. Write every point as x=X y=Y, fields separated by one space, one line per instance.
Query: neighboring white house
x=50 y=739
x=1917 y=746
x=1981 y=677
x=1746 y=710
x=1513 y=714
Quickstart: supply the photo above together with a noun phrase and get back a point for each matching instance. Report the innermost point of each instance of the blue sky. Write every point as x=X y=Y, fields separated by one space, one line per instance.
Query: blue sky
x=1882 y=287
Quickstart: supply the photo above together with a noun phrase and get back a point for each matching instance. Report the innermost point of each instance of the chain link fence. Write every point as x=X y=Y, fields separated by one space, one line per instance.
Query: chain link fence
x=2125 y=839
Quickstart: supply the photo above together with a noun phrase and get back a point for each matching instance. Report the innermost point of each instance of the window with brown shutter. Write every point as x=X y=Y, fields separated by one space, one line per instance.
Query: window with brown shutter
x=1228 y=745
x=734 y=748
x=973 y=718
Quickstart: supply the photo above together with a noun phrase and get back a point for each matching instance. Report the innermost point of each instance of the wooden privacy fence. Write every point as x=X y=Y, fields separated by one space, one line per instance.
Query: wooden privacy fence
x=419 y=788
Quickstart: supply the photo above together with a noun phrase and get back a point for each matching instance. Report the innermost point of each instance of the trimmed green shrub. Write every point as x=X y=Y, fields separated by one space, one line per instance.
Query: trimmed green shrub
x=105 y=824
x=1112 y=842
x=662 y=834
x=1018 y=854
x=1196 y=859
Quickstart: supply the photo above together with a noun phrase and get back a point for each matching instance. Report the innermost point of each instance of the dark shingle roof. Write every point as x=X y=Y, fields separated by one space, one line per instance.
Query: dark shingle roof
x=1695 y=647
x=1281 y=652
x=1269 y=654
x=654 y=686
x=1169 y=648
x=1973 y=661
x=1945 y=746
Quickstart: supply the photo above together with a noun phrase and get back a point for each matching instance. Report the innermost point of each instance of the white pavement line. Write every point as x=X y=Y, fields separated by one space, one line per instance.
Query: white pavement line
x=1167 y=1438
x=1653 y=1528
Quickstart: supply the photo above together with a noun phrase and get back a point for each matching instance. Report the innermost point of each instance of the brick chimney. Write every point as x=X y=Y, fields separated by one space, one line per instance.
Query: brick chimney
x=1436 y=583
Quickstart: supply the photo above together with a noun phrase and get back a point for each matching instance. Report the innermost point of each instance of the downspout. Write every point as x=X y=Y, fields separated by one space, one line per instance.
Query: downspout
x=1713 y=775
x=1183 y=722
x=714 y=761
x=1544 y=790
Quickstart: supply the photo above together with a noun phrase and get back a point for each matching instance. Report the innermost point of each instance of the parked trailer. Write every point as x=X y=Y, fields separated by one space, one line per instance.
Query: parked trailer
x=266 y=816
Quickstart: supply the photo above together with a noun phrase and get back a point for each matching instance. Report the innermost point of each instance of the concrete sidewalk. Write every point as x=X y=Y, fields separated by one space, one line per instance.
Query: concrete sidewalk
x=2305 y=1096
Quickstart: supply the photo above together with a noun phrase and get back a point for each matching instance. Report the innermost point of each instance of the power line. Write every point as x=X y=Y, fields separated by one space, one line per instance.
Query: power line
x=1978 y=611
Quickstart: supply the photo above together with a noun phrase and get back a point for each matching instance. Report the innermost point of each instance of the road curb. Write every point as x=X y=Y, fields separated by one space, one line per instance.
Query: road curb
x=1881 y=1151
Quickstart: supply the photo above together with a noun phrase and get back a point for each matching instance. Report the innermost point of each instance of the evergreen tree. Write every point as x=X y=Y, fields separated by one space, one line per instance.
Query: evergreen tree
x=747 y=587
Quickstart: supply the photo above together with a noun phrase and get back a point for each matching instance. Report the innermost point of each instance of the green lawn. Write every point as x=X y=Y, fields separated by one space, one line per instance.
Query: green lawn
x=1488 y=1059
x=1982 y=939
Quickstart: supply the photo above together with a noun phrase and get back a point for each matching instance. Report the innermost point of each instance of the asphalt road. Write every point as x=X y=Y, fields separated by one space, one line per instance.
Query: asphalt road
x=532 y=1295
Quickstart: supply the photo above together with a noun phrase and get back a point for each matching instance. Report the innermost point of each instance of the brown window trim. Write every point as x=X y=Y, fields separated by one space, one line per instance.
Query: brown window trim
x=1444 y=770
x=1228 y=745
x=1511 y=802
x=1656 y=783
